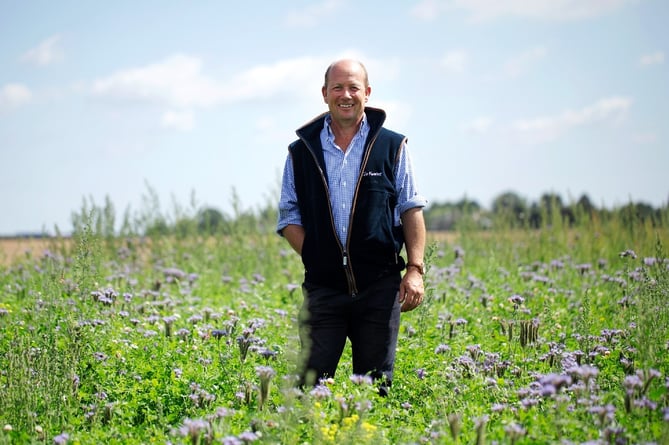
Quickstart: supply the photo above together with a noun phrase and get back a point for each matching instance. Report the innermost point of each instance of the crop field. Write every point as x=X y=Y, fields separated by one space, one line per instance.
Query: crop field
x=541 y=336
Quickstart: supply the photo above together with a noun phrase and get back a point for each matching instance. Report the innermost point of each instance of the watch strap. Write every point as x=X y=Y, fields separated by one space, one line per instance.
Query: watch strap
x=419 y=267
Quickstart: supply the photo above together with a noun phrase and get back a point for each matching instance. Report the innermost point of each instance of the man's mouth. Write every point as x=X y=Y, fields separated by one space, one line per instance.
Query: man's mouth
x=346 y=106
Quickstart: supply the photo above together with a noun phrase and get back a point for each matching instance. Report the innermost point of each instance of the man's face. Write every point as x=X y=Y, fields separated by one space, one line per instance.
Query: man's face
x=346 y=93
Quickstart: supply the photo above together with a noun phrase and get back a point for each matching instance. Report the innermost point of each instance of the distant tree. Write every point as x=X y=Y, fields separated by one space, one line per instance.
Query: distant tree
x=510 y=207
x=585 y=205
x=568 y=215
x=535 y=218
x=552 y=206
x=467 y=205
x=441 y=216
x=639 y=212
x=185 y=226
x=210 y=221
x=157 y=227
x=550 y=201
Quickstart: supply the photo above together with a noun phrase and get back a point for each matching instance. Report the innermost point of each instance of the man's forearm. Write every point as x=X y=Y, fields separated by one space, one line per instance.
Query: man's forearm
x=294 y=234
x=413 y=225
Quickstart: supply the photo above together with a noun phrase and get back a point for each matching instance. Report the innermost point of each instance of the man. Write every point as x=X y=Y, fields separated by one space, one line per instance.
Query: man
x=348 y=205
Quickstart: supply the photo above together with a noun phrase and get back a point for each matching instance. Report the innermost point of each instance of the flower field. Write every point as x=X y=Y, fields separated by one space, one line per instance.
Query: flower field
x=544 y=336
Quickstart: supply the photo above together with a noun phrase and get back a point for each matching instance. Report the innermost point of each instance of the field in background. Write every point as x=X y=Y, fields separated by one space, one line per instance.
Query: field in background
x=12 y=249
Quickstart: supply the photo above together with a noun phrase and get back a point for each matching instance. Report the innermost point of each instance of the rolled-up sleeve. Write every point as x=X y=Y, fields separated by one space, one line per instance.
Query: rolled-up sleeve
x=405 y=184
x=289 y=211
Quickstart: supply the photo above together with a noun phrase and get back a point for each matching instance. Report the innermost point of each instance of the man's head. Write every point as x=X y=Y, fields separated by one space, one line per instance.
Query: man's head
x=346 y=91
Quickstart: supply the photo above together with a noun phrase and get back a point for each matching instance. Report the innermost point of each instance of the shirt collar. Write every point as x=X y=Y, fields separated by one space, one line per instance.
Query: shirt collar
x=363 y=130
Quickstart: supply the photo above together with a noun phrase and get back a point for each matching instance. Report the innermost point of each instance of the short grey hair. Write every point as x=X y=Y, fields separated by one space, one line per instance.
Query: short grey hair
x=327 y=71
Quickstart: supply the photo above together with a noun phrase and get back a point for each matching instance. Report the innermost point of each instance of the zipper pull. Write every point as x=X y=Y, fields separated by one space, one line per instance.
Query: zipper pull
x=345 y=259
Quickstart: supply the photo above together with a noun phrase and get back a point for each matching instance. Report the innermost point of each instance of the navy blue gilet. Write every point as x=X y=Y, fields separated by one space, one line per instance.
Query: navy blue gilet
x=372 y=250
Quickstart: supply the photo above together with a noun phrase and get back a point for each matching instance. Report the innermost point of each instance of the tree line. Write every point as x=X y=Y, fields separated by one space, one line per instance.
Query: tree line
x=509 y=209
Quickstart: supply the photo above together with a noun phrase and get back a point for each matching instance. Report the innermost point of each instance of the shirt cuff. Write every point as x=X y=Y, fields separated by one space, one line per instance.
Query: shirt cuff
x=416 y=201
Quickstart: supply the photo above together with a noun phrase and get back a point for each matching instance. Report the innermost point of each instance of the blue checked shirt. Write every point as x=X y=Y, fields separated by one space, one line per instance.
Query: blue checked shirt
x=343 y=169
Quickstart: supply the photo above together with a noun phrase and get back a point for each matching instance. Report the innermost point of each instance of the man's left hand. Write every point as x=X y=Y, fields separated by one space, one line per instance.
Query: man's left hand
x=412 y=290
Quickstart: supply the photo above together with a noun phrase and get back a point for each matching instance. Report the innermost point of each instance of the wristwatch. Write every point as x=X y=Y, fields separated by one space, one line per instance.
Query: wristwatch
x=419 y=267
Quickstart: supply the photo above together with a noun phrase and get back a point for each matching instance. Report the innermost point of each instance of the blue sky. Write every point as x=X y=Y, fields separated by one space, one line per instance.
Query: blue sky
x=202 y=98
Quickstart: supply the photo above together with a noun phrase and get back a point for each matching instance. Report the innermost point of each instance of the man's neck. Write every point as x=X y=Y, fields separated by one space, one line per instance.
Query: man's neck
x=343 y=135
x=345 y=129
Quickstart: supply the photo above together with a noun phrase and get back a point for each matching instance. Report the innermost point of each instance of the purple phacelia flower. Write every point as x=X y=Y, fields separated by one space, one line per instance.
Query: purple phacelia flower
x=631 y=383
x=650 y=261
x=196 y=318
x=359 y=379
x=61 y=439
x=173 y=273
x=219 y=333
x=516 y=300
x=645 y=402
x=498 y=407
x=320 y=392
x=248 y=436
x=557 y=264
x=628 y=253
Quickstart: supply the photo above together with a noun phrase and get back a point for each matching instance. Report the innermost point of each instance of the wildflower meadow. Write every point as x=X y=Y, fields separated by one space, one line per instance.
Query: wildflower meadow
x=527 y=336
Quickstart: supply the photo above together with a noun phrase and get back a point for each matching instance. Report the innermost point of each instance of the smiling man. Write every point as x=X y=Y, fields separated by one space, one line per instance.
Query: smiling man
x=348 y=206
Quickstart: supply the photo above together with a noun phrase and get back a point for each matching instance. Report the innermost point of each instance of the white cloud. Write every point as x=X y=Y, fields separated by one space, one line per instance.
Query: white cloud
x=270 y=130
x=655 y=58
x=46 y=53
x=313 y=14
x=480 y=125
x=176 y=81
x=487 y=10
x=546 y=128
x=428 y=10
x=455 y=61
x=644 y=138
x=179 y=82
x=292 y=77
x=179 y=86
x=266 y=123
x=398 y=114
x=519 y=64
x=178 y=120
x=14 y=95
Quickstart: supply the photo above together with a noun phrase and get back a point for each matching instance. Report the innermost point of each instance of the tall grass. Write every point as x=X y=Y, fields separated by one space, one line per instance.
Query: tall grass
x=526 y=336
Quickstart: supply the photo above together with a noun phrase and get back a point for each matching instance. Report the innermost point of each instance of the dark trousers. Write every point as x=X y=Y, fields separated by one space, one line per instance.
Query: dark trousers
x=370 y=320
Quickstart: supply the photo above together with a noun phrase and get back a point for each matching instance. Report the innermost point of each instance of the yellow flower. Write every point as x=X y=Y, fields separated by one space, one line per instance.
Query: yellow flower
x=368 y=427
x=329 y=432
x=368 y=430
x=350 y=421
